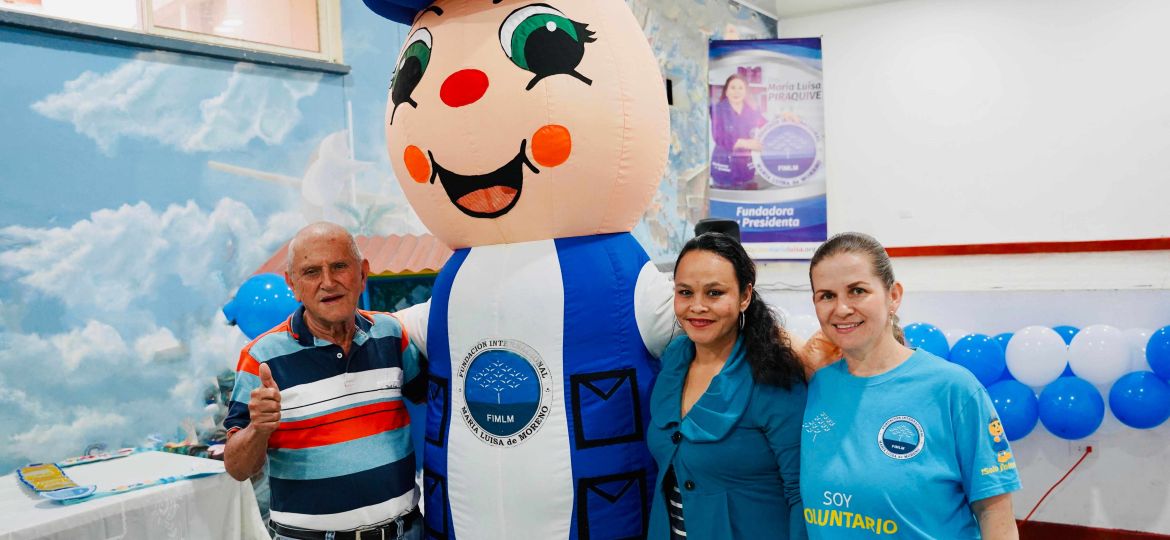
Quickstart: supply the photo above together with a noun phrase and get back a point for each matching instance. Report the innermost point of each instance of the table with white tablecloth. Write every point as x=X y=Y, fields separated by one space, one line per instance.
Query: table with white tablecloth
x=214 y=507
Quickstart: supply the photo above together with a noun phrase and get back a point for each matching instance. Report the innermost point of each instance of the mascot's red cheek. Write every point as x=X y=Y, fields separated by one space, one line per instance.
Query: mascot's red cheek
x=463 y=87
x=417 y=164
x=551 y=145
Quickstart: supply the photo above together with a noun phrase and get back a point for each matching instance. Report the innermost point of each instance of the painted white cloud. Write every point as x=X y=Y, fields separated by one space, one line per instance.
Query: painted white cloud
x=150 y=346
x=157 y=96
x=333 y=179
x=96 y=342
x=141 y=337
x=120 y=261
x=211 y=348
x=66 y=436
x=17 y=402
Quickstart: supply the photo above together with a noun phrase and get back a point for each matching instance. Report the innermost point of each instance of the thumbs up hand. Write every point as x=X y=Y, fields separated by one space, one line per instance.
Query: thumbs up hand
x=264 y=403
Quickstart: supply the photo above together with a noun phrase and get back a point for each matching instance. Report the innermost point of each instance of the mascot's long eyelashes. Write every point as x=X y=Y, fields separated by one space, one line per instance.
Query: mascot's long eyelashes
x=411 y=66
x=541 y=39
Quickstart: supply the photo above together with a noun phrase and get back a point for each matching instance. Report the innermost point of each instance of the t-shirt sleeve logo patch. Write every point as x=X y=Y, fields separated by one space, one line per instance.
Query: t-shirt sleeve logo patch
x=901 y=437
x=999 y=443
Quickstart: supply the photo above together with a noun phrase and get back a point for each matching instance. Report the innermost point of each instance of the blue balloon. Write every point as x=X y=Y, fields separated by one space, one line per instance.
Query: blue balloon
x=1017 y=407
x=927 y=336
x=1071 y=408
x=1158 y=352
x=1067 y=333
x=1003 y=340
x=1140 y=400
x=261 y=303
x=981 y=355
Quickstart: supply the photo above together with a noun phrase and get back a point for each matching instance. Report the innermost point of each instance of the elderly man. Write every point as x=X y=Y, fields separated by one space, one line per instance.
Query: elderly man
x=320 y=397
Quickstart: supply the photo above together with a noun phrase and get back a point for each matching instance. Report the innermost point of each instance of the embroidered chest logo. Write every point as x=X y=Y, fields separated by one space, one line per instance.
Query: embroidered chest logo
x=819 y=424
x=901 y=437
x=507 y=389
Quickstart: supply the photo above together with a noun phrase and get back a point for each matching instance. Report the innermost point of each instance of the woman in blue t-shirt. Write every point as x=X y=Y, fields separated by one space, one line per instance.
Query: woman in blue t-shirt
x=726 y=409
x=896 y=440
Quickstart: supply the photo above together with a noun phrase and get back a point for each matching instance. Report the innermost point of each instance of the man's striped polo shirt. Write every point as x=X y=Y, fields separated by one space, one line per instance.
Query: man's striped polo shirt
x=342 y=456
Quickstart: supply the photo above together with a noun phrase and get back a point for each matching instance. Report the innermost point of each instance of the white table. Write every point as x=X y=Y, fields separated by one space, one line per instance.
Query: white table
x=211 y=507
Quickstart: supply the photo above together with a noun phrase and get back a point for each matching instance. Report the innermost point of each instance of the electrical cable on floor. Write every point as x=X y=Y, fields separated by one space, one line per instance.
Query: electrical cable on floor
x=1088 y=450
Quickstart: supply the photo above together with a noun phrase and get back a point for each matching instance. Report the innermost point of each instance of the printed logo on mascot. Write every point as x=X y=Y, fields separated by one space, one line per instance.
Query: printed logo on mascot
x=790 y=154
x=507 y=390
x=901 y=437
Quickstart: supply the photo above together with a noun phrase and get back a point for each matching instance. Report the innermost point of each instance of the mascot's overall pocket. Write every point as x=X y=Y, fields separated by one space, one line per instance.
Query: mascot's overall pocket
x=434 y=492
x=612 y=506
x=606 y=408
x=438 y=410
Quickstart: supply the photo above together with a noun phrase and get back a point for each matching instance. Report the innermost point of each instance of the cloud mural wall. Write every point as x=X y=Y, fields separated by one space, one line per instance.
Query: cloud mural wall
x=155 y=96
x=140 y=336
x=141 y=188
x=110 y=322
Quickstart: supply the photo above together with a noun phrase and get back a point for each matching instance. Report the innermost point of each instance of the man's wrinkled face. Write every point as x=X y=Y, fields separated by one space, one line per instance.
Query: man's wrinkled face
x=327 y=277
x=514 y=120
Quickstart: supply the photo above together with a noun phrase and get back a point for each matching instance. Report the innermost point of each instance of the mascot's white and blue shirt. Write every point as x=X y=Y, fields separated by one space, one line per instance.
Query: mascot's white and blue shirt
x=542 y=355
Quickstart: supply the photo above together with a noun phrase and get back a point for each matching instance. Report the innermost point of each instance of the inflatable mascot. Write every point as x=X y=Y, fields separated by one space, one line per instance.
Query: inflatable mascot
x=530 y=137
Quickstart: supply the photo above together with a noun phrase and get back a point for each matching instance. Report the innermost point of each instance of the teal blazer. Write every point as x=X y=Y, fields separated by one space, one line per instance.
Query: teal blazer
x=736 y=454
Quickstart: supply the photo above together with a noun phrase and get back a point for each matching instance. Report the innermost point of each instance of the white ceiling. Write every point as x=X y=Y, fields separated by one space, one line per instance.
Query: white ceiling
x=781 y=9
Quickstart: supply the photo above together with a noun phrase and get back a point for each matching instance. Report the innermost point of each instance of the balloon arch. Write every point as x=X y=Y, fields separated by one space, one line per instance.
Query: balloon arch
x=1060 y=376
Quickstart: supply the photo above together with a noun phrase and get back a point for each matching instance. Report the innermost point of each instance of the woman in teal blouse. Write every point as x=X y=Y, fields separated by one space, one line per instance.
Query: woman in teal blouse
x=726 y=409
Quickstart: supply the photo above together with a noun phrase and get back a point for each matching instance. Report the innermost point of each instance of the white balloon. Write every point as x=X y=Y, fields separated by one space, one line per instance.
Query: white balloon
x=954 y=335
x=1036 y=355
x=803 y=325
x=1099 y=354
x=1138 y=339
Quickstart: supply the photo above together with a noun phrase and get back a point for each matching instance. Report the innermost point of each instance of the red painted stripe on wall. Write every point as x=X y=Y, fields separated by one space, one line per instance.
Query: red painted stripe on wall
x=1039 y=530
x=1141 y=244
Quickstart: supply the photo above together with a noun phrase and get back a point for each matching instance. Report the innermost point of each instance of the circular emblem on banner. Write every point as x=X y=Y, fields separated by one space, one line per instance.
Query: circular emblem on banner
x=901 y=437
x=790 y=153
x=506 y=389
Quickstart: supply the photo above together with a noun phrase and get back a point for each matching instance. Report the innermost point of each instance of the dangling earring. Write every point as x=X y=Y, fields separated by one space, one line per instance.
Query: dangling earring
x=741 y=320
x=892 y=317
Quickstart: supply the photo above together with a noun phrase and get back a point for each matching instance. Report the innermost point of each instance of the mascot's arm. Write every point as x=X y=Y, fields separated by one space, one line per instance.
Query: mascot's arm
x=815 y=353
x=414 y=361
x=414 y=320
x=654 y=308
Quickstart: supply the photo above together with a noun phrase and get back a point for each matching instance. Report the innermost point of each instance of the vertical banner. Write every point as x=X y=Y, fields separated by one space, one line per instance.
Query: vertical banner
x=767 y=144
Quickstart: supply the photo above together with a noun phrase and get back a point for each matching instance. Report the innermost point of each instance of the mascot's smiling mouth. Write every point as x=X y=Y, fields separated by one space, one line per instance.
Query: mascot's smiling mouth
x=485 y=195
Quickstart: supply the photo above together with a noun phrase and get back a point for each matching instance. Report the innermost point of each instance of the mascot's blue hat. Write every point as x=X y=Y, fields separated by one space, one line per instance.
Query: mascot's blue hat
x=401 y=11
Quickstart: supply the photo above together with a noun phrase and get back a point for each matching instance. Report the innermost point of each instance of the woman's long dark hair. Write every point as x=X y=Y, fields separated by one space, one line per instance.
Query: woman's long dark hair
x=768 y=352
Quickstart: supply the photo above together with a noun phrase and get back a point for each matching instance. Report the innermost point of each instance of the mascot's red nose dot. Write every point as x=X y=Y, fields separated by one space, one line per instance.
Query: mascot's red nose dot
x=463 y=87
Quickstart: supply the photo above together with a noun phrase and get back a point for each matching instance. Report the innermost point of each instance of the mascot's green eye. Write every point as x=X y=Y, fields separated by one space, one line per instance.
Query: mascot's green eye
x=540 y=39
x=409 y=71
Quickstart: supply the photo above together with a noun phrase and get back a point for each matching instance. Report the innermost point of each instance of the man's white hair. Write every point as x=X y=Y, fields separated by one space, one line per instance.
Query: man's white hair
x=315 y=229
